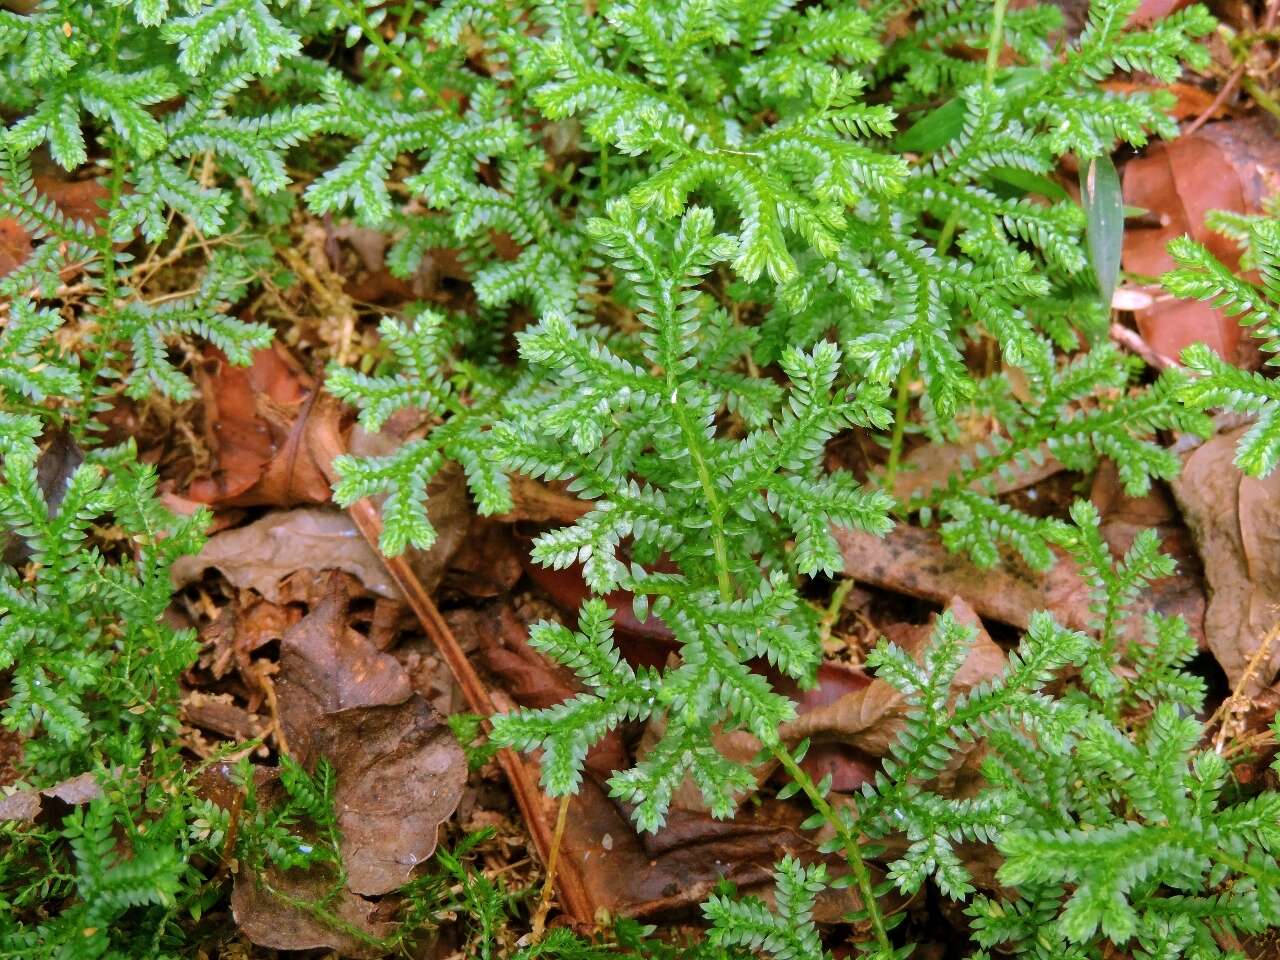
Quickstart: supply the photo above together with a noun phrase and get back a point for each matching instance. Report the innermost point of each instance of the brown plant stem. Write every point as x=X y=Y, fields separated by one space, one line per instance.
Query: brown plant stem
x=553 y=862
x=326 y=444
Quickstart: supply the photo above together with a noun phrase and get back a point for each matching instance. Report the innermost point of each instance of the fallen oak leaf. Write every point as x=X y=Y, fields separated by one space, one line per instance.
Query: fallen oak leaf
x=399 y=771
x=293 y=910
x=326 y=444
x=1235 y=521
x=261 y=555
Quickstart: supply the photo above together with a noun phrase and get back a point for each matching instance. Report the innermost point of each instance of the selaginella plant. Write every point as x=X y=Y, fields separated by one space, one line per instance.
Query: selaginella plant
x=854 y=267
x=722 y=234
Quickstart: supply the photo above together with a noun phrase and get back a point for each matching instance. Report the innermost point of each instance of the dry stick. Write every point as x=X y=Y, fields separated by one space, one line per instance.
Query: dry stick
x=574 y=898
x=1227 y=709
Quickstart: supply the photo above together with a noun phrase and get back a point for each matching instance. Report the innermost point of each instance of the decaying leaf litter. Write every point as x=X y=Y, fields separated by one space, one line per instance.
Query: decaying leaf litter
x=313 y=647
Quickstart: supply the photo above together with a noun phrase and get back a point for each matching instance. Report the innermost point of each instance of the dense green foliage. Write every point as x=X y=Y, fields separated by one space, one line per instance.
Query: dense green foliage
x=703 y=240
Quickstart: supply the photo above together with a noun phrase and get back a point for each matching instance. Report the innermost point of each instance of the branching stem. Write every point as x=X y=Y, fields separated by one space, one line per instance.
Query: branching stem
x=852 y=849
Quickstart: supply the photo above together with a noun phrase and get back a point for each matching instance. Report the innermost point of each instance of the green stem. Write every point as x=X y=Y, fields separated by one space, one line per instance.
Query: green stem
x=715 y=510
x=948 y=231
x=852 y=849
x=1261 y=97
x=995 y=44
x=899 y=426
x=407 y=70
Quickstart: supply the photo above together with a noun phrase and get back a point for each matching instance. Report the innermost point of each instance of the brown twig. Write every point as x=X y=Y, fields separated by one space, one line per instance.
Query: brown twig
x=1238 y=702
x=575 y=900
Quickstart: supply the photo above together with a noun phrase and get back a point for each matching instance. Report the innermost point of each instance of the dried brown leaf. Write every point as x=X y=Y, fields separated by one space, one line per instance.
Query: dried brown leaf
x=870 y=718
x=27 y=805
x=399 y=771
x=914 y=561
x=934 y=464
x=257 y=420
x=1235 y=520
x=262 y=554
x=1224 y=166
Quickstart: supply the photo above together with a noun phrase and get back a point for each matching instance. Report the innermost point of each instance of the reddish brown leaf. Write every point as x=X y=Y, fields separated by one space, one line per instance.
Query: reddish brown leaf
x=913 y=561
x=1151 y=10
x=870 y=718
x=1224 y=166
x=1191 y=101
x=650 y=639
x=257 y=419
x=77 y=199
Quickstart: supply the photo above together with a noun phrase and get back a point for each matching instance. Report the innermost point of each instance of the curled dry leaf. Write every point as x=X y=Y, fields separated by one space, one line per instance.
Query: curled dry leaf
x=1235 y=520
x=262 y=554
x=399 y=771
x=257 y=419
x=238 y=630
x=27 y=805
x=914 y=561
x=269 y=550
x=271 y=921
x=1224 y=166
x=538 y=502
